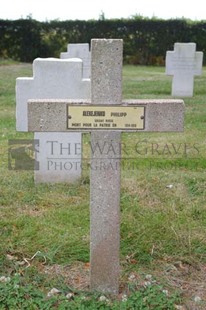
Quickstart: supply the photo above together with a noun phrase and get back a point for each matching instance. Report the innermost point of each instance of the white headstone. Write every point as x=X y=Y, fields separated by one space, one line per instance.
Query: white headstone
x=54 y=78
x=183 y=63
x=80 y=50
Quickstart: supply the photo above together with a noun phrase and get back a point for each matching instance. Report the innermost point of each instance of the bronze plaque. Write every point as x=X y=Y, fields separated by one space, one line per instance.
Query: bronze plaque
x=91 y=117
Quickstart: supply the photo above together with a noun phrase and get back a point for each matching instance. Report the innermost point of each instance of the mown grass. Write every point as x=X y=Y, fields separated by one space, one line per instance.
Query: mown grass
x=163 y=192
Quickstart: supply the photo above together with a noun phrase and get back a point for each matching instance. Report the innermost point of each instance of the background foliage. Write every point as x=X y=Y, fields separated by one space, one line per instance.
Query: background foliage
x=145 y=40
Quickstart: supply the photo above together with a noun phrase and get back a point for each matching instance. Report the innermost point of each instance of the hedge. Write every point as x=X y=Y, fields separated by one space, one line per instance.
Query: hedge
x=145 y=40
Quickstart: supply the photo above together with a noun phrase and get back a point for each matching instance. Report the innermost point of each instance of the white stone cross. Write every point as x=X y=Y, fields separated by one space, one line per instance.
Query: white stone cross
x=79 y=50
x=59 y=154
x=105 y=110
x=183 y=63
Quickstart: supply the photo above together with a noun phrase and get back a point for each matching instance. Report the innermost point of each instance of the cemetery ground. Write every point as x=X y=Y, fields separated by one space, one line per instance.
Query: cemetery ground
x=44 y=228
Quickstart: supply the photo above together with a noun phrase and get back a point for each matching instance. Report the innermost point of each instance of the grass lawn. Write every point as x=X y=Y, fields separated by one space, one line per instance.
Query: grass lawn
x=44 y=228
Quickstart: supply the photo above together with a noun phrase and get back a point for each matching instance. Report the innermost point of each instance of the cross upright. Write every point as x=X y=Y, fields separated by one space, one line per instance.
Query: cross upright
x=105 y=116
x=183 y=63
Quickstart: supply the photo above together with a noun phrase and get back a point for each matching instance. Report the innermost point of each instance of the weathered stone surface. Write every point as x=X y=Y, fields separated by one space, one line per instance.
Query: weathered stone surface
x=106 y=77
x=160 y=114
x=106 y=74
x=79 y=50
x=105 y=212
x=183 y=63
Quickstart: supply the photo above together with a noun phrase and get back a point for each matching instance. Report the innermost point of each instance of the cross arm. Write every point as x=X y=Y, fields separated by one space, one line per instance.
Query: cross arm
x=160 y=115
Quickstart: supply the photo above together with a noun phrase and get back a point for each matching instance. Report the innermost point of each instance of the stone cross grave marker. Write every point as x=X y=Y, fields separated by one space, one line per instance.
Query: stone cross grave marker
x=183 y=63
x=105 y=116
x=59 y=154
x=79 y=50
